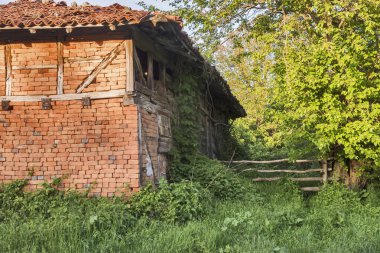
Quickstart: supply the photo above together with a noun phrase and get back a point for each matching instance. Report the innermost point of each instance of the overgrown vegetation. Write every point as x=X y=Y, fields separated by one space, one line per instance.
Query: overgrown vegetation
x=307 y=71
x=270 y=218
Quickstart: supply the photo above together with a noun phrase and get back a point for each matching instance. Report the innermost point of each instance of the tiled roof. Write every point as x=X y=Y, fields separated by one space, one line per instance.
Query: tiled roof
x=47 y=13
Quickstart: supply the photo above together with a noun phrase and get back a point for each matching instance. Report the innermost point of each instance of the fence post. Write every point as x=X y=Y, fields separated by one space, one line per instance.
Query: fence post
x=325 y=170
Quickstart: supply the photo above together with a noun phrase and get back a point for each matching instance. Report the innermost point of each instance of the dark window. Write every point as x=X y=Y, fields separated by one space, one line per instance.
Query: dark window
x=156 y=70
x=169 y=71
x=143 y=57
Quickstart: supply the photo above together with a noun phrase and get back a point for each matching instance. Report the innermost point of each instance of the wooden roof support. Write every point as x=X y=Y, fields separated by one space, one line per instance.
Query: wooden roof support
x=102 y=65
x=60 y=68
x=150 y=71
x=129 y=67
x=8 y=70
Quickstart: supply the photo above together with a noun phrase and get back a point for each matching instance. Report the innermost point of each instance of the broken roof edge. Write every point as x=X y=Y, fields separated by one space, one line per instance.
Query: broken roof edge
x=214 y=77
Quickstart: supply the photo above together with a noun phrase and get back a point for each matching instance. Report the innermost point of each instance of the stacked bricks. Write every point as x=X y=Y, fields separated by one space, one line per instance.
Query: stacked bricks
x=77 y=68
x=41 y=81
x=93 y=147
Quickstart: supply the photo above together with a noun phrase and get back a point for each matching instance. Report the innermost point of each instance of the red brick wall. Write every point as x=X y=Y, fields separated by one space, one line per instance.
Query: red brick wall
x=77 y=68
x=95 y=146
x=34 y=81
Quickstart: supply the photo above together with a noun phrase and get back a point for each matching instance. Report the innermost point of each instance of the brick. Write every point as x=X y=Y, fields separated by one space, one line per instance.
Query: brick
x=98 y=143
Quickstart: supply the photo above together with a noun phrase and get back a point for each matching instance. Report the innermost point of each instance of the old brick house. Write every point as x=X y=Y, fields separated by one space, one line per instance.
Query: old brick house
x=85 y=94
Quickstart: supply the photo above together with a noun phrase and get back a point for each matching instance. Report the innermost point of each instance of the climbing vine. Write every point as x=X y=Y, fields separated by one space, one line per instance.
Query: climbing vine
x=186 y=132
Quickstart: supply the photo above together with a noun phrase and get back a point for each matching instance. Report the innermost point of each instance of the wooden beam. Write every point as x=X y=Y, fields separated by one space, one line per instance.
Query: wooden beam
x=163 y=74
x=270 y=162
x=301 y=179
x=310 y=189
x=102 y=65
x=60 y=64
x=150 y=71
x=325 y=170
x=284 y=171
x=8 y=70
x=129 y=67
x=67 y=97
x=50 y=66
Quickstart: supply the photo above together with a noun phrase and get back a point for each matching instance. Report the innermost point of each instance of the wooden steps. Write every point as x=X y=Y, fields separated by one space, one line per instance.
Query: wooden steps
x=323 y=171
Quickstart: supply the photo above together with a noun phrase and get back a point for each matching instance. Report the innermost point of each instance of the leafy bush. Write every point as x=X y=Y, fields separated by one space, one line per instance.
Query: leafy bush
x=177 y=202
x=211 y=175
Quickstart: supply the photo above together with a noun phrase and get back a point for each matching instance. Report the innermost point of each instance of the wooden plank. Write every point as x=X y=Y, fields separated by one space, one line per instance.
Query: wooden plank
x=129 y=68
x=272 y=161
x=284 y=171
x=163 y=74
x=150 y=71
x=301 y=179
x=64 y=97
x=60 y=68
x=102 y=65
x=310 y=189
x=325 y=170
x=51 y=66
x=307 y=179
x=8 y=70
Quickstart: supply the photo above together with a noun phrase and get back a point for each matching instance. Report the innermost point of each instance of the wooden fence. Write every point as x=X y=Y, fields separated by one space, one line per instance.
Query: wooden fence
x=323 y=170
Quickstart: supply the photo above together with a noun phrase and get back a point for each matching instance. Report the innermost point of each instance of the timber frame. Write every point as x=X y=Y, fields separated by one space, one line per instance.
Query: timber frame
x=132 y=35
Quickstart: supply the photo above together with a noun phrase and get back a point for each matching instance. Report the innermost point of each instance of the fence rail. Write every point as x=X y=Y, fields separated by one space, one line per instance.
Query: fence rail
x=323 y=170
x=271 y=161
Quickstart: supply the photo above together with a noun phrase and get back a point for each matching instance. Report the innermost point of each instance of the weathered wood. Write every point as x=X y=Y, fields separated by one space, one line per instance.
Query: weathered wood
x=150 y=71
x=50 y=66
x=60 y=68
x=163 y=74
x=301 y=179
x=64 y=97
x=146 y=43
x=310 y=189
x=8 y=70
x=140 y=70
x=102 y=65
x=129 y=67
x=174 y=48
x=284 y=171
x=272 y=161
x=325 y=170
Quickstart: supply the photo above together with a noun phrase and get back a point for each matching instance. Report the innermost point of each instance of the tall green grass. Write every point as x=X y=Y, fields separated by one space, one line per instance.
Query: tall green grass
x=269 y=218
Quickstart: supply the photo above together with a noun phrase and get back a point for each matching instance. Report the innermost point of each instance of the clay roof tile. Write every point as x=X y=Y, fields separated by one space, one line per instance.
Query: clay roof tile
x=47 y=13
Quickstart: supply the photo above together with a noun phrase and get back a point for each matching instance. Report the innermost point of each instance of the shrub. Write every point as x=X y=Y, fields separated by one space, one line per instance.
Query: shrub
x=211 y=175
x=177 y=202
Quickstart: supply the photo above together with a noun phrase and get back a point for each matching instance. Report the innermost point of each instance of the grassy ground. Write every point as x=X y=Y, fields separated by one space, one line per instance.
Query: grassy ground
x=270 y=218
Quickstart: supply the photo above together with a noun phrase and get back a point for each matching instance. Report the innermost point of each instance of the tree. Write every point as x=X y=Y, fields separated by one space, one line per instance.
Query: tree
x=323 y=59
